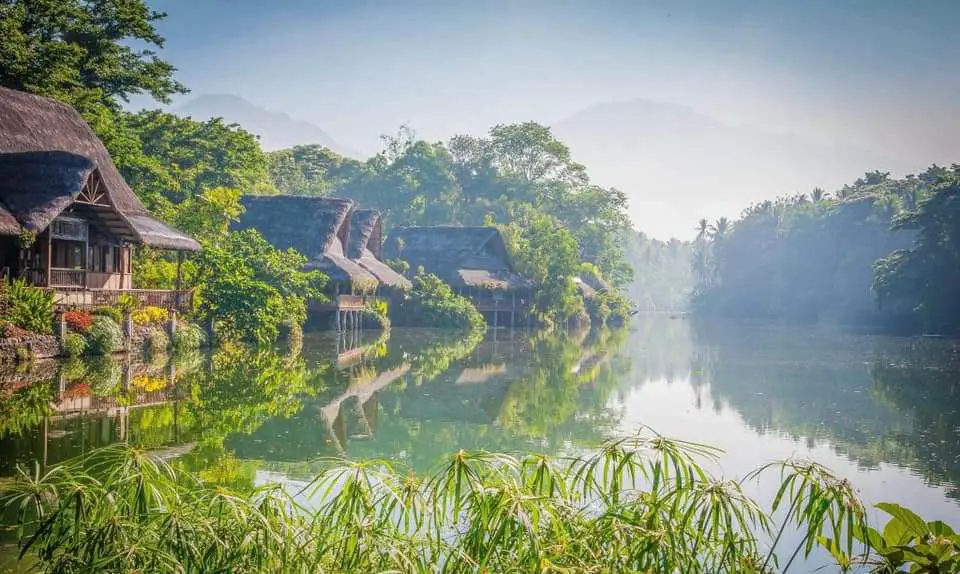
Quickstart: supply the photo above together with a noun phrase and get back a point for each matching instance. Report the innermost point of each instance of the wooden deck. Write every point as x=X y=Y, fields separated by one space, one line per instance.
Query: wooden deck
x=341 y=303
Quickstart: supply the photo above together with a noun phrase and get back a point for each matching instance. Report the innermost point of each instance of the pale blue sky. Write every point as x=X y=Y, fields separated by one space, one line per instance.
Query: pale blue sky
x=882 y=74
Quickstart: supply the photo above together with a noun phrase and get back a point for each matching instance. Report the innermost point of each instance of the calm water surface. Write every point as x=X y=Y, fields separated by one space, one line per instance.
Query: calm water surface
x=883 y=411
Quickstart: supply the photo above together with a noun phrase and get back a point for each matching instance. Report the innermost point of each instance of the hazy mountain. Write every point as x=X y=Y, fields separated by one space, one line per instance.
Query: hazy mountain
x=277 y=130
x=677 y=165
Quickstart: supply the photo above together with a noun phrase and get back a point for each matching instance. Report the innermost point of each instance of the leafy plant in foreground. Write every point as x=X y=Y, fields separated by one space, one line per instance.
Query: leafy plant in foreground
x=641 y=503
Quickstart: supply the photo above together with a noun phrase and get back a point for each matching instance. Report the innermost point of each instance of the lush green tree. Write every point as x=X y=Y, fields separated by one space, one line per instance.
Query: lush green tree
x=926 y=277
x=250 y=289
x=168 y=160
x=811 y=258
x=432 y=303
x=311 y=170
x=87 y=53
x=548 y=254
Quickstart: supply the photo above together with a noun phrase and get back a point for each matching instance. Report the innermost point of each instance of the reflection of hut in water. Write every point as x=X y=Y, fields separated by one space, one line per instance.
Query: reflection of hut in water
x=321 y=229
x=86 y=410
x=350 y=415
x=474 y=261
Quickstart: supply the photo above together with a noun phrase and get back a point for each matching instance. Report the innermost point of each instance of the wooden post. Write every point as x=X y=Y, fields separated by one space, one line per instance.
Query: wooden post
x=49 y=254
x=179 y=283
x=172 y=324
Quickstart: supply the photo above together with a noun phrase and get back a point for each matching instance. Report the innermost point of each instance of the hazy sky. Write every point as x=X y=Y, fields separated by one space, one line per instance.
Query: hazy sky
x=881 y=74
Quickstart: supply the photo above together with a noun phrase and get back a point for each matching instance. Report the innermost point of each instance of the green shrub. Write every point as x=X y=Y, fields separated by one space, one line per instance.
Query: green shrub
x=188 y=337
x=111 y=312
x=74 y=344
x=157 y=342
x=30 y=308
x=127 y=303
x=104 y=337
x=373 y=319
x=432 y=303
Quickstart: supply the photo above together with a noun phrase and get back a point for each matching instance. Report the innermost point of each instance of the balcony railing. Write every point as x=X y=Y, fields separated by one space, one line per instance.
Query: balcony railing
x=68 y=278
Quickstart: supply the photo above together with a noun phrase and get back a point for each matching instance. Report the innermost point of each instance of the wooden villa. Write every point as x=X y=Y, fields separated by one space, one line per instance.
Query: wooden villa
x=68 y=220
x=474 y=261
x=320 y=229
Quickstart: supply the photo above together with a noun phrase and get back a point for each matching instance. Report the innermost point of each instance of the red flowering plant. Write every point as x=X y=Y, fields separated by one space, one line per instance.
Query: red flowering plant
x=78 y=321
x=76 y=391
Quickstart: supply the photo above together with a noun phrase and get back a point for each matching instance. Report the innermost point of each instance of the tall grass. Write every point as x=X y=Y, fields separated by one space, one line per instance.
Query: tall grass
x=638 y=504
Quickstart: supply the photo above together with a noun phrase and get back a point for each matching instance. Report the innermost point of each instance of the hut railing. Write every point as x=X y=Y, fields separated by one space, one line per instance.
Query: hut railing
x=350 y=301
x=166 y=298
x=68 y=277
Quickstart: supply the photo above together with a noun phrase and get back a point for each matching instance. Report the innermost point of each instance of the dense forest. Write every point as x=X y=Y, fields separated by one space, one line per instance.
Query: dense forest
x=881 y=252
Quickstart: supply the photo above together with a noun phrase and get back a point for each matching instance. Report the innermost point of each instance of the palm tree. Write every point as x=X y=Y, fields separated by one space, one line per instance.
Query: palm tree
x=818 y=194
x=718 y=231
x=703 y=228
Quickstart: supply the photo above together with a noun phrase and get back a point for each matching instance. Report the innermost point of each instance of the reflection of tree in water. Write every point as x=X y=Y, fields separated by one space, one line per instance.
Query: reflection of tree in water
x=875 y=400
x=236 y=411
x=923 y=384
x=60 y=410
x=513 y=392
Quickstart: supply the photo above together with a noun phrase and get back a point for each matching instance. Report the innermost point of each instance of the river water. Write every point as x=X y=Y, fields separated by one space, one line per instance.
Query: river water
x=882 y=411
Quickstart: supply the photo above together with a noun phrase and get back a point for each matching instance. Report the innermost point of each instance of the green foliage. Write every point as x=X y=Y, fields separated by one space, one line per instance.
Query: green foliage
x=925 y=279
x=29 y=307
x=662 y=272
x=74 y=344
x=26 y=408
x=251 y=288
x=87 y=53
x=432 y=303
x=310 y=170
x=519 y=170
x=127 y=303
x=23 y=355
x=157 y=342
x=189 y=337
x=800 y=260
x=547 y=253
x=112 y=312
x=910 y=544
x=104 y=337
x=400 y=266
x=642 y=503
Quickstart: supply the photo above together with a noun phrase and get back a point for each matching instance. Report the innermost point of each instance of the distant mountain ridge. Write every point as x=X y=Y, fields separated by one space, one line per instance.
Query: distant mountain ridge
x=276 y=130
x=676 y=163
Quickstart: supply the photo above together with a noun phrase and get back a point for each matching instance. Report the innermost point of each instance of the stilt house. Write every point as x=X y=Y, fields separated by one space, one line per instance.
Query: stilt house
x=68 y=220
x=473 y=260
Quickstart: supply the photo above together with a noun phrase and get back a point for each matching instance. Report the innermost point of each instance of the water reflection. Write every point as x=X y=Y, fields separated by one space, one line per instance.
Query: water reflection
x=413 y=396
x=238 y=417
x=874 y=400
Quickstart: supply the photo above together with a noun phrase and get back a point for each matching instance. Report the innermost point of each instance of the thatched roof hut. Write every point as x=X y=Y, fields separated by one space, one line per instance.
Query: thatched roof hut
x=48 y=156
x=461 y=256
x=317 y=227
x=365 y=247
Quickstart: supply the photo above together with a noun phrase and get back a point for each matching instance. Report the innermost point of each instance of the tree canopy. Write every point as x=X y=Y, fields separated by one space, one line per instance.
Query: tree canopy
x=811 y=257
x=83 y=51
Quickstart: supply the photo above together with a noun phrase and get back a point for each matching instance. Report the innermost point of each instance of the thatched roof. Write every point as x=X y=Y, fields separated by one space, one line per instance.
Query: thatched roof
x=461 y=256
x=316 y=227
x=47 y=155
x=365 y=247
